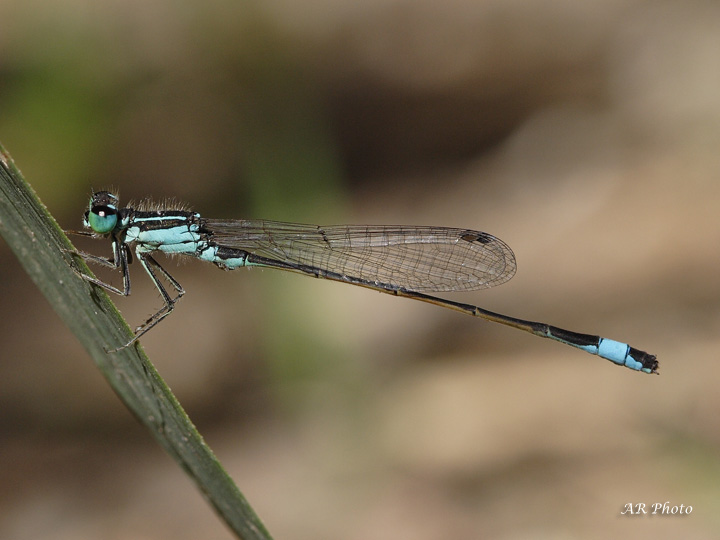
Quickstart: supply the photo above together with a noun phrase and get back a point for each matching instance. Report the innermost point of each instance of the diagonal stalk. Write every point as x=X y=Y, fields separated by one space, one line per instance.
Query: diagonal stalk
x=41 y=246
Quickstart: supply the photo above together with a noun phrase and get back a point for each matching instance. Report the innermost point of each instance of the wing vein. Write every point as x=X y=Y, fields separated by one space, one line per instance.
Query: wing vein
x=422 y=259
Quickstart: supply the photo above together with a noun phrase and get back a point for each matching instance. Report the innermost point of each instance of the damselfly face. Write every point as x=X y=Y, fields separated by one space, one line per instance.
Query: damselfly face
x=102 y=215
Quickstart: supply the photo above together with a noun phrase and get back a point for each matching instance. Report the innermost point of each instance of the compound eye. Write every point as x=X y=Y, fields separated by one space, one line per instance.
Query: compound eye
x=102 y=219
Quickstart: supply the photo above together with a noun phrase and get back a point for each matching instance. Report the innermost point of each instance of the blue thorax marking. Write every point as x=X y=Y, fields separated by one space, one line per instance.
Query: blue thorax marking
x=169 y=232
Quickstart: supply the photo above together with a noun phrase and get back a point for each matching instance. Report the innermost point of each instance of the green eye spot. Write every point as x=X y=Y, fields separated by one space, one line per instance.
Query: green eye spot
x=102 y=219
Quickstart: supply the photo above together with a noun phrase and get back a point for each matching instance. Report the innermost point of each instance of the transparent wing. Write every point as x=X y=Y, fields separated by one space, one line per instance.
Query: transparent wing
x=422 y=259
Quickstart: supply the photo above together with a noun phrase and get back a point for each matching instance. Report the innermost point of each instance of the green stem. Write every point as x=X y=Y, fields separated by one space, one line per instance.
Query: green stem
x=40 y=245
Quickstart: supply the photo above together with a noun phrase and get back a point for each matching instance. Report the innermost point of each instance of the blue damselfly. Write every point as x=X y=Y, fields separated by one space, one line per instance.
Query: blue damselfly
x=406 y=261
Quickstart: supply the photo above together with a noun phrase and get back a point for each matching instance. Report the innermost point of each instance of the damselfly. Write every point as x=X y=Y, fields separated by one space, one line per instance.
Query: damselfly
x=405 y=261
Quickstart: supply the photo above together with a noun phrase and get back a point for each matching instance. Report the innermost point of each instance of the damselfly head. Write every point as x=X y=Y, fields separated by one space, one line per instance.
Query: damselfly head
x=102 y=215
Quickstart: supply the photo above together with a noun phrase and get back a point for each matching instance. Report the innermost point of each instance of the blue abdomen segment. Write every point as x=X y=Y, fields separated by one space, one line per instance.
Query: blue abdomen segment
x=617 y=352
x=224 y=257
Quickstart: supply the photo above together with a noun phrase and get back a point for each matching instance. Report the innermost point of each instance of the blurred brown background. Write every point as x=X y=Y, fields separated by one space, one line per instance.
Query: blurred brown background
x=584 y=134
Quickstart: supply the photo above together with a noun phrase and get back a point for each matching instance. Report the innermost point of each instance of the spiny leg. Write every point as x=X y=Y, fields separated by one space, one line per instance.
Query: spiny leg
x=150 y=265
x=121 y=254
